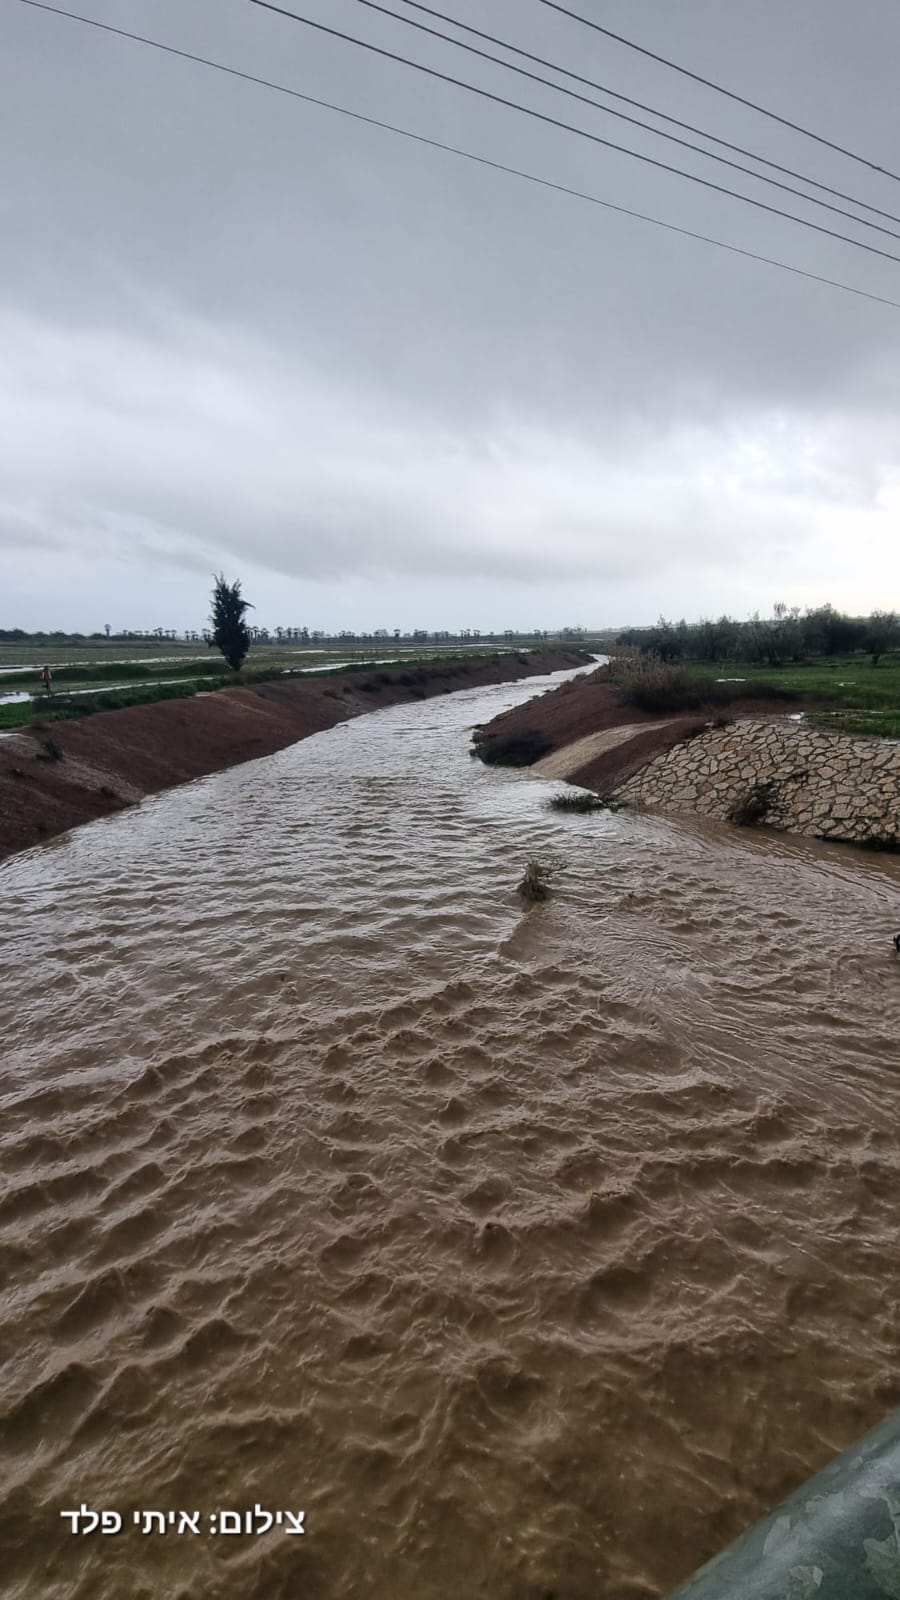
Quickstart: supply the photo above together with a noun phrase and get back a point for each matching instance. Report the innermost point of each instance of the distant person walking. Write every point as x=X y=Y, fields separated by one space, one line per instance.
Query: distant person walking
x=46 y=679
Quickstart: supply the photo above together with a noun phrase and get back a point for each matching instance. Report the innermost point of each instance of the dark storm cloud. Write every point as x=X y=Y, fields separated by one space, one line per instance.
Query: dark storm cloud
x=235 y=326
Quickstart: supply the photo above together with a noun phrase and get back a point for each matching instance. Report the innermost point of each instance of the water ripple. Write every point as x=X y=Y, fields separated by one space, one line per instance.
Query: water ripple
x=334 y=1180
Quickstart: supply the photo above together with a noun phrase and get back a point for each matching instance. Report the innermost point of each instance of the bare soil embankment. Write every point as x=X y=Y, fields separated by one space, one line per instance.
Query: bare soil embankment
x=574 y=716
x=56 y=775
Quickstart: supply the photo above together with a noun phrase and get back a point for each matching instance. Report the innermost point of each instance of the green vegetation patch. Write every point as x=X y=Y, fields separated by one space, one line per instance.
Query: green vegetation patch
x=71 y=708
x=108 y=672
x=789 y=635
x=656 y=685
x=877 y=724
x=850 y=680
x=581 y=803
x=576 y=800
x=652 y=684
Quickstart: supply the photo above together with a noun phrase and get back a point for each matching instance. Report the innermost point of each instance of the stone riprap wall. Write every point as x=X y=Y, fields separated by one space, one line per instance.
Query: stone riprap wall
x=833 y=785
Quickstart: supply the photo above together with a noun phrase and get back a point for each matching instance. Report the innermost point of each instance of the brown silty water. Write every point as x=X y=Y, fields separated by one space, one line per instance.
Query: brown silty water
x=530 y=1253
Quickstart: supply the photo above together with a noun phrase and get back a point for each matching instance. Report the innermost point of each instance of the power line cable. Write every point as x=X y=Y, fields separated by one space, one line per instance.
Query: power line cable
x=623 y=116
x=569 y=127
x=720 y=89
x=640 y=105
x=467 y=155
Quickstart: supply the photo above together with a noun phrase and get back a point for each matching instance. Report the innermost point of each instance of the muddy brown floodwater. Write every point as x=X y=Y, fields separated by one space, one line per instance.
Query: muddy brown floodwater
x=530 y=1255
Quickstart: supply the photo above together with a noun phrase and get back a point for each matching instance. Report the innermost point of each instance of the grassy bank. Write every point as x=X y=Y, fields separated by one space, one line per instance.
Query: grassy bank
x=863 y=698
x=858 y=697
x=850 y=680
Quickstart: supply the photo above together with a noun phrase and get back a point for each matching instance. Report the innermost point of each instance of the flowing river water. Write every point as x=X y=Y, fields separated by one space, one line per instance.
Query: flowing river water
x=530 y=1253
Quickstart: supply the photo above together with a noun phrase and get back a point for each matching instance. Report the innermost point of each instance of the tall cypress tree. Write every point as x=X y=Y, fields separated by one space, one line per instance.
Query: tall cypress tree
x=230 y=633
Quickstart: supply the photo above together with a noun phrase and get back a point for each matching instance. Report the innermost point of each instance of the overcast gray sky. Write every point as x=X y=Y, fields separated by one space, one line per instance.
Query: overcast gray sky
x=388 y=387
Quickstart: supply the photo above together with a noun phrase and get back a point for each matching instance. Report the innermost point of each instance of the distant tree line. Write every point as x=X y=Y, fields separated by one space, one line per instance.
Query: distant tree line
x=317 y=636
x=788 y=635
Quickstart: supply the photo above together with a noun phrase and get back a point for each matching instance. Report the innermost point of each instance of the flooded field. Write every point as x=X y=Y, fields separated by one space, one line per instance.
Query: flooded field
x=530 y=1254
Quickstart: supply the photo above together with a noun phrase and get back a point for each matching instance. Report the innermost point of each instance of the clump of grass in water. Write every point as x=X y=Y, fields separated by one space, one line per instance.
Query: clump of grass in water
x=575 y=800
x=537 y=881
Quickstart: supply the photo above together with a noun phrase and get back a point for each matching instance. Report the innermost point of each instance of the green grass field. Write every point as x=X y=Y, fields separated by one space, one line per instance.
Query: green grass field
x=878 y=724
x=852 y=680
x=855 y=695
x=865 y=699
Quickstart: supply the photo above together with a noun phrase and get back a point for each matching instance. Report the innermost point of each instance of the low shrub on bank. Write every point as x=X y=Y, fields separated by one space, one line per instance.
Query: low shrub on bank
x=513 y=749
x=754 y=807
x=656 y=685
x=50 y=751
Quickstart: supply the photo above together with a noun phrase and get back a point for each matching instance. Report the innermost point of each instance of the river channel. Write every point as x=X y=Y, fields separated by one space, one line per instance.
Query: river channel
x=530 y=1253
